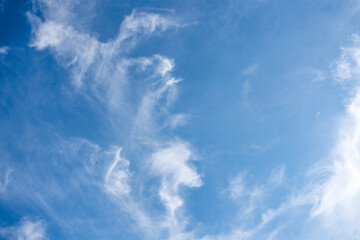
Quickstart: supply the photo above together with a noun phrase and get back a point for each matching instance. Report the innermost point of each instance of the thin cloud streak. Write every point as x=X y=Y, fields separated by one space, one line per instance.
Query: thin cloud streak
x=100 y=71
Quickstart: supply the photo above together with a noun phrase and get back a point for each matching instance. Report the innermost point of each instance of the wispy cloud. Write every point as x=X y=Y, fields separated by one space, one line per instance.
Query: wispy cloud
x=348 y=65
x=278 y=175
x=78 y=51
x=319 y=75
x=251 y=70
x=250 y=197
x=337 y=196
x=5 y=173
x=31 y=230
x=117 y=176
x=255 y=149
x=4 y=50
x=239 y=185
x=149 y=166
x=26 y=230
x=333 y=184
x=176 y=120
x=137 y=92
x=172 y=165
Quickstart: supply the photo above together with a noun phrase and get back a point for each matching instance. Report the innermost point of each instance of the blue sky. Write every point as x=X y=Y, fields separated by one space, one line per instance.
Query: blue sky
x=179 y=120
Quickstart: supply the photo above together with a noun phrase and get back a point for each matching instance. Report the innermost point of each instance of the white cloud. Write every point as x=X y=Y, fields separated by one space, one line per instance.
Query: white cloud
x=102 y=71
x=105 y=69
x=160 y=93
x=336 y=192
x=277 y=176
x=32 y=231
x=4 y=50
x=104 y=66
x=50 y=34
x=166 y=66
x=74 y=50
x=332 y=193
x=117 y=176
x=4 y=176
x=27 y=230
x=338 y=197
x=247 y=197
x=319 y=75
x=144 y=23
x=251 y=70
x=348 y=65
x=238 y=186
x=172 y=165
x=79 y=51
x=250 y=198
x=176 y=120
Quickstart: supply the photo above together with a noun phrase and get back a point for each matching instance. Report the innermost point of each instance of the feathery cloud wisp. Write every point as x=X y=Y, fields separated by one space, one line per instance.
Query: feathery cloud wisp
x=27 y=230
x=338 y=196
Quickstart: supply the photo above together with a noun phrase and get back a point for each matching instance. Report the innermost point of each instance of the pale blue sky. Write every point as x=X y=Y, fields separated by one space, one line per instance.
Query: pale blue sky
x=179 y=120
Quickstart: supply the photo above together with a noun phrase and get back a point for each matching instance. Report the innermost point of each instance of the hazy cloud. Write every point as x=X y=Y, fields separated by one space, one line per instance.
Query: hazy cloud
x=4 y=50
x=27 y=230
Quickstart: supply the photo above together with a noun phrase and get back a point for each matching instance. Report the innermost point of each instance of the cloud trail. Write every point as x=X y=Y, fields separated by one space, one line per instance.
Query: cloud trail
x=104 y=73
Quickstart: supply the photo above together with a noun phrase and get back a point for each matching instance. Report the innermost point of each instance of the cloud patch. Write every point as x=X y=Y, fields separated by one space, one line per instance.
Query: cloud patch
x=117 y=176
x=337 y=197
x=4 y=50
x=26 y=230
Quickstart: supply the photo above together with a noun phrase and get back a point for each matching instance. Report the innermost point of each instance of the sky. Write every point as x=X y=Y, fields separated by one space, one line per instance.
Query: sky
x=180 y=120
